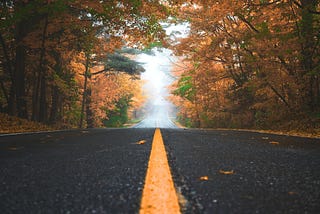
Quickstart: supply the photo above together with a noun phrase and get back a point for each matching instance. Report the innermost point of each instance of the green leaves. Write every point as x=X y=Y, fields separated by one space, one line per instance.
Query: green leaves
x=54 y=7
x=119 y=62
x=185 y=88
x=119 y=115
x=264 y=31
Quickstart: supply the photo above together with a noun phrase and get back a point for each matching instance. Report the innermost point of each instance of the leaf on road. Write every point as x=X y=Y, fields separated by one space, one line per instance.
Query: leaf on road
x=204 y=178
x=292 y=193
x=265 y=138
x=226 y=172
x=141 y=142
x=15 y=148
x=274 y=143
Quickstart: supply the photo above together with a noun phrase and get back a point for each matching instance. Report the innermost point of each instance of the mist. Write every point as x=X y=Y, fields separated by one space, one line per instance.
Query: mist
x=159 y=111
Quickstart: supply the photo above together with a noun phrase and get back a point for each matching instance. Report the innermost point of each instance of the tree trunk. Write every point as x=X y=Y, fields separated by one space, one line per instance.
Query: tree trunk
x=43 y=110
x=89 y=113
x=56 y=97
x=308 y=44
x=19 y=72
x=83 y=104
x=7 y=70
x=39 y=110
x=55 y=113
x=12 y=97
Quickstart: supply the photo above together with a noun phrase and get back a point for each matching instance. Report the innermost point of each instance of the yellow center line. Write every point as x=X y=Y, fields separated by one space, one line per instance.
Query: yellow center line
x=159 y=195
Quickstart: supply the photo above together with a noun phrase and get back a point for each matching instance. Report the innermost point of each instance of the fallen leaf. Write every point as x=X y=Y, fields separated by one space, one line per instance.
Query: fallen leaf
x=204 y=178
x=274 y=143
x=226 y=172
x=292 y=193
x=265 y=138
x=141 y=142
x=15 y=148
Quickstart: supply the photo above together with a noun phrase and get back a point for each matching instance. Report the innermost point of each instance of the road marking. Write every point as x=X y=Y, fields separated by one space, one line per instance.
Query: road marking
x=159 y=194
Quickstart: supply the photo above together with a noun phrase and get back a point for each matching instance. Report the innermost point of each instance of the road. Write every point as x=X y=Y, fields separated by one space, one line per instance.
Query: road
x=103 y=171
x=243 y=172
x=159 y=115
x=94 y=171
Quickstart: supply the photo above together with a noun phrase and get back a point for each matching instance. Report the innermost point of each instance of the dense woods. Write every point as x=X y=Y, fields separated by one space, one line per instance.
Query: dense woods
x=245 y=64
x=250 y=64
x=58 y=63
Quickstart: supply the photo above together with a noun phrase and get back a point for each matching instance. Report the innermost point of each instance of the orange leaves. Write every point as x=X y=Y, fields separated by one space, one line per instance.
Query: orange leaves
x=141 y=142
x=292 y=193
x=15 y=148
x=271 y=142
x=237 y=36
x=204 y=178
x=274 y=143
x=57 y=35
x=108 y=89
x=223 y=172
x=10 y=124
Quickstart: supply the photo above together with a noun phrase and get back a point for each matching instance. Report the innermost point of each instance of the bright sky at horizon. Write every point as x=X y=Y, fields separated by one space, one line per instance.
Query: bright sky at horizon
x=157 y=75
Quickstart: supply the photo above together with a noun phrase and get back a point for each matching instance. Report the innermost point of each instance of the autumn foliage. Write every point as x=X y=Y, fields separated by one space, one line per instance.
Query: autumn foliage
x=245 y=63
x=250 y=64
x=54 y=57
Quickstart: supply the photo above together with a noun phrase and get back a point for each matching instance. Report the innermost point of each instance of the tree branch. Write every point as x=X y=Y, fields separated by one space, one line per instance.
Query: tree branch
x=99 y=72
x=242 y=18
x=279 y=95
x=309 y=10
x=266 y=4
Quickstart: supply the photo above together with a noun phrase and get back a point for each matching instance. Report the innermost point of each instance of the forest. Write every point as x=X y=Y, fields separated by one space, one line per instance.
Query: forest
x=245 y=64
x=250 y=64
x=70 y=63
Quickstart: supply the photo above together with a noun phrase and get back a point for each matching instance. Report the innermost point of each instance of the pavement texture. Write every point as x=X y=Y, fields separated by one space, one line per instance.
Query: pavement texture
x=89 y=171
x=103 y=171
x=244 y=172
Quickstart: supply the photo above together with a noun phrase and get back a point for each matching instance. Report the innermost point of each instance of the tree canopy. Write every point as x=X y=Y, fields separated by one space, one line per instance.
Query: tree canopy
x=244 y=64
x=49 y=51
x=250 y=64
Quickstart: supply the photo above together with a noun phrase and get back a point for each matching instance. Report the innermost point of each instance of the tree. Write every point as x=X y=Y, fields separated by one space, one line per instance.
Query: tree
x=40 y=40
x=266 y=53
x=113 y=64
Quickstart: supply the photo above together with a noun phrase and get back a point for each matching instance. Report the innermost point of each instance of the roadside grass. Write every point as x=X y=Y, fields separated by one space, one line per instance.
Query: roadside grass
x=301 y=130
x=11 y=124
x=132 y=122
x=295 y=133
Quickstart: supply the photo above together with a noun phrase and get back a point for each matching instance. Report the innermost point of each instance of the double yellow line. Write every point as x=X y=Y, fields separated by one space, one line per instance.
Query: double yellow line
x=159 y=195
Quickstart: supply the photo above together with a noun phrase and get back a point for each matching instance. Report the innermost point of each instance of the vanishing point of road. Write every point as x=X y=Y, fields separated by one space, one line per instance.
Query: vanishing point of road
x=210 y=171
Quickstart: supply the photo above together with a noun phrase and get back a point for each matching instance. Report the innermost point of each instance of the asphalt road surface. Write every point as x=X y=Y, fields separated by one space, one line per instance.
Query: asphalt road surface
x=103 y=171
x=95 y=171
x=243 y=172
